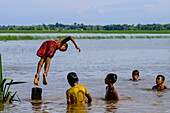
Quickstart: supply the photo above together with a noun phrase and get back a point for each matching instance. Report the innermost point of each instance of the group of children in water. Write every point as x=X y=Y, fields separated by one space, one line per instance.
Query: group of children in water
x=77 y=94
x=159 y=80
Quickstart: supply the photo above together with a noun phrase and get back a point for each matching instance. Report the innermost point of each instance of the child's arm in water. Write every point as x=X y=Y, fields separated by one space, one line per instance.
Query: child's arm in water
x=89 y=98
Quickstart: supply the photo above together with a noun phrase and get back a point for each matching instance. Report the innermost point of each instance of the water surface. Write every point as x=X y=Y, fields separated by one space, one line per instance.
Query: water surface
x=96 y=59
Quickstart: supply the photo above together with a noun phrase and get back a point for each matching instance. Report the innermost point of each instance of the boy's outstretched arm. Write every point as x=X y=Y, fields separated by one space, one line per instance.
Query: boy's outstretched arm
x=72 y=39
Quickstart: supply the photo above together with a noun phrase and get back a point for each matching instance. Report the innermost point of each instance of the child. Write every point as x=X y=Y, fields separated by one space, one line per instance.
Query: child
x=46 y=52
x=159 y=81
x=135 y=75
x=77 y=93
x=111 y=93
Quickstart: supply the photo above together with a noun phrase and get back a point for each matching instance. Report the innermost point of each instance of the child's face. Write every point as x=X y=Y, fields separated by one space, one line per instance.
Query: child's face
x=63 y=47
x=159 y=80
x=135 y=77
x=107 y=81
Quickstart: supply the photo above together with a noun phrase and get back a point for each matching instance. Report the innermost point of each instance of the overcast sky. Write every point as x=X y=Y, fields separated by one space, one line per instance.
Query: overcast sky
x=101 y=12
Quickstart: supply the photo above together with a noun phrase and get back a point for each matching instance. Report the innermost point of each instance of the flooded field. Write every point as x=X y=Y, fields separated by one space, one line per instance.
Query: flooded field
x=96 y=59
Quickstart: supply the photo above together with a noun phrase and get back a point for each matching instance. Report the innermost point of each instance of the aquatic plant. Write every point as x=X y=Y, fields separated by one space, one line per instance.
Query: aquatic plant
x=5 y=95
x=6 y=38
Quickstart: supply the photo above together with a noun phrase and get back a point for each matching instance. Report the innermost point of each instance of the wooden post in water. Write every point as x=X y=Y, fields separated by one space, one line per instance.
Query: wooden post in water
x=36 y=96
x=36 y=93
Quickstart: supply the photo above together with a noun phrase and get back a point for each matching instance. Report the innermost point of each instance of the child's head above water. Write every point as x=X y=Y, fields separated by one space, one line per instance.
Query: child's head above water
x=160 y=79
x=135 y=75
x=111 y=77
x=159 y=83
x=72 y=78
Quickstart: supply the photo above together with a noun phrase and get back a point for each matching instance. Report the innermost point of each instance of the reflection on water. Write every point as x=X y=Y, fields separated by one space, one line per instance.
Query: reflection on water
x=1 y=106
x=97 y=58
x=78 y=108
x=111 y=107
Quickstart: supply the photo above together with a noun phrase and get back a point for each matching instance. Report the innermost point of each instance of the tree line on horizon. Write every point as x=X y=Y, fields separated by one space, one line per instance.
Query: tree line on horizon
x=58 y=26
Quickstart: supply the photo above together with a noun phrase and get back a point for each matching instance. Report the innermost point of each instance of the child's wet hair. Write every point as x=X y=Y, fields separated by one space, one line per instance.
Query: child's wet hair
x=135 y=72
x=160 y=76
x=72 y=78
x=112 y=77
x=66 y=45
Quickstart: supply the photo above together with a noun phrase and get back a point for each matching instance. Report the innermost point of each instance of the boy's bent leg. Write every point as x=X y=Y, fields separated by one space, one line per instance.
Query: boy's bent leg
x=37 y=75
x=46 y=69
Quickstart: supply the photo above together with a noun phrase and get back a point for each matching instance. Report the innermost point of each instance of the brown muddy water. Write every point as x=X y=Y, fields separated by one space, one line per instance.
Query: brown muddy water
x=96 y=59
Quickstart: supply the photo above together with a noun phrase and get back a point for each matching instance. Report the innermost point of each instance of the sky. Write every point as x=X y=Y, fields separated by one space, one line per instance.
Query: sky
x=89 y=12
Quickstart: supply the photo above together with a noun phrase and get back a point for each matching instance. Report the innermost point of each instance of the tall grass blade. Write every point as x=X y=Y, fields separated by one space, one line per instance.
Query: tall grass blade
x=15 y=83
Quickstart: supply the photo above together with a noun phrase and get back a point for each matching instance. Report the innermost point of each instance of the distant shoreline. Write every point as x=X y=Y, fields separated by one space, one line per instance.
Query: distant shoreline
x=90 y=31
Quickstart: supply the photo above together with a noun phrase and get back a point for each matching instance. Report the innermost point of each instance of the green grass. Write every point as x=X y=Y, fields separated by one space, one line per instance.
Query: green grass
x=89 y=31
x=5 y=38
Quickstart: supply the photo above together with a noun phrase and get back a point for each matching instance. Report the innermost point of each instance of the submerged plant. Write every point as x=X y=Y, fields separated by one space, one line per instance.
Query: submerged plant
x=5 y=94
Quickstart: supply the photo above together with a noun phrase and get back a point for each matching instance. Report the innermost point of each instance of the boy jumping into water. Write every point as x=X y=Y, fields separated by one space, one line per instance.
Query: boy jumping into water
x=46 y=52
x=77 y=93
x=111 y=93
x=159 y=83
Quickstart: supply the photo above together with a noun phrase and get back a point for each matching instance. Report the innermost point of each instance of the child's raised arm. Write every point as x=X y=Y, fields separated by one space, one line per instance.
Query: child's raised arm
x=72 y=39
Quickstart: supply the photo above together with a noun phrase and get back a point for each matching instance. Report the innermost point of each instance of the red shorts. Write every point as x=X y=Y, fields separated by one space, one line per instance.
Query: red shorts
x=47 y=49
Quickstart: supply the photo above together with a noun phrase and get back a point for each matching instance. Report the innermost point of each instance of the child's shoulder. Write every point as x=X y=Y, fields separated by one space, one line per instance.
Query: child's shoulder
x=165 y=87
x=154 y=87
x=81 y=85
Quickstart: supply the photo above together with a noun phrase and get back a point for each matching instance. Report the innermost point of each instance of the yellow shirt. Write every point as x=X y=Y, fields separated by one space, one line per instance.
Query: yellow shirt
x=77 y=94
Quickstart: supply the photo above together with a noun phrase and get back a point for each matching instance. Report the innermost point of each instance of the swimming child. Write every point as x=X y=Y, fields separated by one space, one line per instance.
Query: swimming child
x=77 y=94
x=111 y=93
x=159 y=83
x=46 y=52
x=135 y=75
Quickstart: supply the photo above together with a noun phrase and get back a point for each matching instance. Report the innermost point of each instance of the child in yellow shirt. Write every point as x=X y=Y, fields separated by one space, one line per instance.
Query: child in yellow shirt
x=77 y=94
